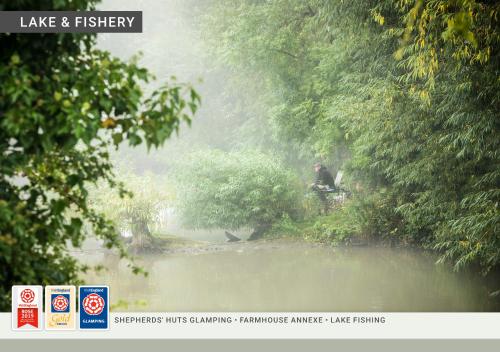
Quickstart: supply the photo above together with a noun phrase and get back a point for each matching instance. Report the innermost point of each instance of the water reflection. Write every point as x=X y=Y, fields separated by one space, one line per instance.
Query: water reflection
x=293 y=277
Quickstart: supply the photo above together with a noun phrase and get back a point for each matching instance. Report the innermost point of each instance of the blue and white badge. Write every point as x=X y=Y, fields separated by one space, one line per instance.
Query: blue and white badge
x=94 y=307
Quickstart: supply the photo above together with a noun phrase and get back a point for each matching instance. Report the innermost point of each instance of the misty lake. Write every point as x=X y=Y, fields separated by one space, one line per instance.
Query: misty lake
x=289 y=275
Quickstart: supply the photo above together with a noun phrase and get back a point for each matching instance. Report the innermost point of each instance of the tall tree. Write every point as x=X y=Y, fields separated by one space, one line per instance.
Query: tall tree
x=63 y=105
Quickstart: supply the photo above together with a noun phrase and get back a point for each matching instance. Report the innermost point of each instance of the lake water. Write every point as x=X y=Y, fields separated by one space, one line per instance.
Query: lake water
x=288 y=275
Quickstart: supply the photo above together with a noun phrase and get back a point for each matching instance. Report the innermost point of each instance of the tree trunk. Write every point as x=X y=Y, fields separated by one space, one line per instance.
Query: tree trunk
x=142 y=240
x=258 y=232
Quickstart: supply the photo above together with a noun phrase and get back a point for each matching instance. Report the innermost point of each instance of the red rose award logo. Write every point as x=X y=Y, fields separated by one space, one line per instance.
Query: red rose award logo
x=27 y=295
x=26 y=307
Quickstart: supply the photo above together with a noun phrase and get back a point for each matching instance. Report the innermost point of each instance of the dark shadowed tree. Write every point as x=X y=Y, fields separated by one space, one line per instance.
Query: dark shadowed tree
x=63 y=105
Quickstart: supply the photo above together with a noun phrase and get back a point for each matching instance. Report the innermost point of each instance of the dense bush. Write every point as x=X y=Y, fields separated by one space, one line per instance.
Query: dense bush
x=235 y=190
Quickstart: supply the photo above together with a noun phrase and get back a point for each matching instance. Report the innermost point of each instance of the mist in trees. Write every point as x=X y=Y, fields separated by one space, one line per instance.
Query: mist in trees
x=403 y=95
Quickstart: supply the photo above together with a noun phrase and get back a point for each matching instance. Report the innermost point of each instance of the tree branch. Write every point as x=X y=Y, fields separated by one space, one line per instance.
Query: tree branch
x=286 y=53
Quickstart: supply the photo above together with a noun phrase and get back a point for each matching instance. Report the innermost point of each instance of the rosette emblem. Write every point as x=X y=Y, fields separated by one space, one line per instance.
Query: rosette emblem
x=93 y=304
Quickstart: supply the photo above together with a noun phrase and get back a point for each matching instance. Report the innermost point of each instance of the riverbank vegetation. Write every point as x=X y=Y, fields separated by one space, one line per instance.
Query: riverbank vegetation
x=136 y=211
x=234 y=190
x=402 y=95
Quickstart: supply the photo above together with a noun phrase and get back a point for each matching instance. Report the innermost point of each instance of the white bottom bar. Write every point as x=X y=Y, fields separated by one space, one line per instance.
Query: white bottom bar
x=281 y=326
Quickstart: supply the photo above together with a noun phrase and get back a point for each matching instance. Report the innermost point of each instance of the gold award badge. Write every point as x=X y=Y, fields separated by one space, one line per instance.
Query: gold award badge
x=60 y=307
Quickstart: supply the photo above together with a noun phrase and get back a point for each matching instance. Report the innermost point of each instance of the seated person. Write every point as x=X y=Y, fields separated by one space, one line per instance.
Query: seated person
x=323 y=183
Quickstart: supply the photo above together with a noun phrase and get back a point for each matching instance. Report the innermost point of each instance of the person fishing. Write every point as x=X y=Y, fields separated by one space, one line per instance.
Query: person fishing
x=323 y=183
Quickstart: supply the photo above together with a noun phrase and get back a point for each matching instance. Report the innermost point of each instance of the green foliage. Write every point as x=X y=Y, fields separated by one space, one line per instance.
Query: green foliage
x=338 y=227
x=236 y=189
x=63 y=105
x=403 y=94
x=285 y=227
x=146 y=195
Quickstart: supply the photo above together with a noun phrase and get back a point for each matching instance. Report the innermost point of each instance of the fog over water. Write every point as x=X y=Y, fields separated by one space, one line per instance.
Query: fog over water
x=292 y=276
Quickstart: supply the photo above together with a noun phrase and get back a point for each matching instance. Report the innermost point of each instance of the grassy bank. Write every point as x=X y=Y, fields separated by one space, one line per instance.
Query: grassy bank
x=340 y=226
